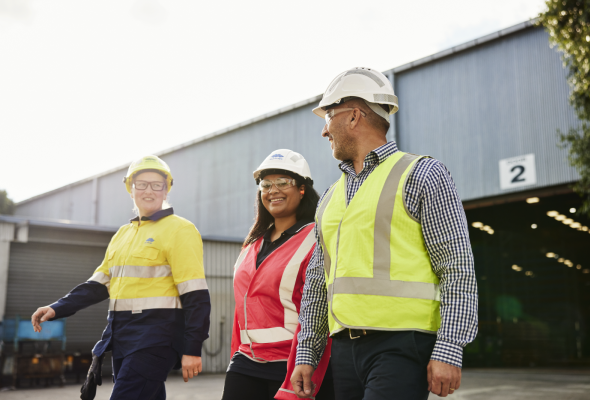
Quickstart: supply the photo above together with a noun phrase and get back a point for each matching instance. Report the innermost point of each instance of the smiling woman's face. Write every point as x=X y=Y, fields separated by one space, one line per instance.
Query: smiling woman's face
x=148 y=201
x=281 y=203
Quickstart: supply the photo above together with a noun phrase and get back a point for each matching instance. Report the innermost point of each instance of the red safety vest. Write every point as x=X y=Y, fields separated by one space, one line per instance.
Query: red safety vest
x=268 y=298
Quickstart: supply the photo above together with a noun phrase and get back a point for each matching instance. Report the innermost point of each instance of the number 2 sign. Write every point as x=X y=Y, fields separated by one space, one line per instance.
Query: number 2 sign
x=517 y=171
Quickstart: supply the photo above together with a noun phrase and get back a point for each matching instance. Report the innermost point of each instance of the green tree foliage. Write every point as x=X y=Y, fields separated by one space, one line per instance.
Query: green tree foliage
x=6 y=205
x=568 y=25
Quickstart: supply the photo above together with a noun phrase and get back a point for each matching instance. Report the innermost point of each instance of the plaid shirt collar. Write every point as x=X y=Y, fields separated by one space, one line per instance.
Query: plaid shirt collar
x=376 y=156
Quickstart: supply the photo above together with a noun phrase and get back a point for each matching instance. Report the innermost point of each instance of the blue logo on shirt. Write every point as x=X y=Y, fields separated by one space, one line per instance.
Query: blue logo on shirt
x=149 y=241
x=277 y=156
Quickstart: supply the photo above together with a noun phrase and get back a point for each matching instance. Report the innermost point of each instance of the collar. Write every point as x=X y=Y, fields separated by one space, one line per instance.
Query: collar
x=156 y=216
x=291 y=231
x=376 y=156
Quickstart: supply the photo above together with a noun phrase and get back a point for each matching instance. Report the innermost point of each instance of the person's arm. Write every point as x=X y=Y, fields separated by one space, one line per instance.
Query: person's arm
x=84 y=295
x=186 y=261
x=432 y=198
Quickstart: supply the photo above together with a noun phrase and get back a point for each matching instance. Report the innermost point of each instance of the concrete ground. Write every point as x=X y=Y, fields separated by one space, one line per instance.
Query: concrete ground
x=476 y=385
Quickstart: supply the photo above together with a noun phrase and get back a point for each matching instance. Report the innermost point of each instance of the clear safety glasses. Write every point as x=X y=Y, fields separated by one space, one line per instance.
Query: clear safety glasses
x=280 y=183
x=156 y=186
x=330 y=113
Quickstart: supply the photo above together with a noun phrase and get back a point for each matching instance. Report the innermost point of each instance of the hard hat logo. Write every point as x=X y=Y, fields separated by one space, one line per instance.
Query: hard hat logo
x=148 y=162
x=285 y=160
x=364 y=83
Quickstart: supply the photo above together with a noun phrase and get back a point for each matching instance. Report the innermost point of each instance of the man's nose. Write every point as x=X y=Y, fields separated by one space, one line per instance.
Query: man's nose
x=325 y=131
x=273 y=189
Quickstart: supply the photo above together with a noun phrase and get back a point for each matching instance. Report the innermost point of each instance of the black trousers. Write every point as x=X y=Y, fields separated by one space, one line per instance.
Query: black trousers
x=383 y=365
x=243 y=387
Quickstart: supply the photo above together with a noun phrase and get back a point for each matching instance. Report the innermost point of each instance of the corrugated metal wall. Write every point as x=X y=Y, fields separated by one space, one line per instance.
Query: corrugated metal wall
x=501 y=99
x=46 y=268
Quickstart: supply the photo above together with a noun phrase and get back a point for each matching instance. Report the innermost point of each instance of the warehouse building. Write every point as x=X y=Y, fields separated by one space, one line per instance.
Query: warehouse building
x=488 y=109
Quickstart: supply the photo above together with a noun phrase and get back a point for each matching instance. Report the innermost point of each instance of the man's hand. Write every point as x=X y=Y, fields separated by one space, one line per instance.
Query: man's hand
x=301 y=381
x=191 y=366
x=443 y=378
x=41 y=315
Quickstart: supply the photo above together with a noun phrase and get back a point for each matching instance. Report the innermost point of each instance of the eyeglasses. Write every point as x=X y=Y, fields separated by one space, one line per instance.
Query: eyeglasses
x=280 y=183
x=330 y=113
x=156 y=186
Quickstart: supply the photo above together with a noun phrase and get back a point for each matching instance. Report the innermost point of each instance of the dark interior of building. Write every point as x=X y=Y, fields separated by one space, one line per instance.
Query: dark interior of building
x=532 y=262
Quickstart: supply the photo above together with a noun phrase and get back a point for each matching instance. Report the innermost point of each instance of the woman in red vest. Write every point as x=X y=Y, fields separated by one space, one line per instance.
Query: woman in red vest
x=268 y=282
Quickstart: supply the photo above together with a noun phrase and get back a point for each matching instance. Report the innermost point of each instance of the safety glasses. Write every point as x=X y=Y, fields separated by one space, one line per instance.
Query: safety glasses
x=281 y=184
x=330 y=113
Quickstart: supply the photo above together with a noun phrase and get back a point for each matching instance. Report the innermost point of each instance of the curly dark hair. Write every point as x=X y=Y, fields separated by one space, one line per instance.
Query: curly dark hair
x=264 y=220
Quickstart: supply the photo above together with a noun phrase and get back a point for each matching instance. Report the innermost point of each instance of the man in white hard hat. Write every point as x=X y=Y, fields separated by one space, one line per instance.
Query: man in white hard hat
x=392 y=276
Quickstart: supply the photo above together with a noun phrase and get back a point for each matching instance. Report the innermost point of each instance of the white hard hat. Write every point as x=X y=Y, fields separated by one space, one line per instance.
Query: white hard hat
x=286 y=160
x=365 y=83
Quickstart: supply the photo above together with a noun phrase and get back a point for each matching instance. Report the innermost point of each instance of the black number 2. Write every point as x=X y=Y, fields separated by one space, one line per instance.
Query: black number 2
x=517 y=178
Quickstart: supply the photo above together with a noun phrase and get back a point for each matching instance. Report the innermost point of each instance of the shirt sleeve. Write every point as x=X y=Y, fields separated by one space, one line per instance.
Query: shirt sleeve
x=186 y=262
x=432 y=198
x=95 y=290
x=313 y=316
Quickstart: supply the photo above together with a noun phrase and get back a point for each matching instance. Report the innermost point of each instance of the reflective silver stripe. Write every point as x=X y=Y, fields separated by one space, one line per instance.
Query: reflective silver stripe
x=290 y=391
x=320 y=214
x=144 y=303
x=404 y=192
x=101 y=277
x=241 y=258
x=379 y=287
x=287 y=285
x=269 y=335
x=139 y=271
x=383 y=216
x=191 y=285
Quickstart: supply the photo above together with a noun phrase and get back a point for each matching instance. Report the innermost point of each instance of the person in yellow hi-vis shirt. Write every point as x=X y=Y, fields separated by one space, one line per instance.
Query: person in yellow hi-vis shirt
x=159 y=301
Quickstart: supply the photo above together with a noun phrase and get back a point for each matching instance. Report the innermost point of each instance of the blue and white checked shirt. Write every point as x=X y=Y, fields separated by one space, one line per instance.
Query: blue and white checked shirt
x=431 y=197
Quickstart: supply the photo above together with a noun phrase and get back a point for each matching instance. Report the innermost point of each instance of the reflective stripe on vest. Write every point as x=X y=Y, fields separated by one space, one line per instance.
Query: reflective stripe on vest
x=374 y=281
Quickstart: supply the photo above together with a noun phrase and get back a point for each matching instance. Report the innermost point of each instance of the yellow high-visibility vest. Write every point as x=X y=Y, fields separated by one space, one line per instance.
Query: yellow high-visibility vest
x=378 y=271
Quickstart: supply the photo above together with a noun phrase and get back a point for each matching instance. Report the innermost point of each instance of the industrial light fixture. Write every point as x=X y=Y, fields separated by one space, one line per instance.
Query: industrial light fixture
x=578 y=266
x=534 y=226
x=529 y=273
x=568 y=263
x=552 y=213
x=532 y=200
x=477 y=224
x=567 y=221
x=560 y=260
x=586 y=271
x=585 y=228
x=572 y=210
x=576 y=225
x=516 y=268
x=550 y=255
x=560 y=217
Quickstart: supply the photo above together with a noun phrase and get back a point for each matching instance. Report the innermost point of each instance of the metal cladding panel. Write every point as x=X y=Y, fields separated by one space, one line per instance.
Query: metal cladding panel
x=72 y=203
x=213 y=182
x=219 y=259
x=114 y=204
x=502 y=99
x=41 y=273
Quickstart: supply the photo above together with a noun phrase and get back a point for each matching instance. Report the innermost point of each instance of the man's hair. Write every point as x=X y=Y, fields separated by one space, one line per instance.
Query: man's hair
x=373 y=119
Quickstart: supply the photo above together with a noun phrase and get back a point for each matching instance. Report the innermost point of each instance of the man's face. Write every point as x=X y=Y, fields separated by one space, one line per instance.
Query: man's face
x=341 y=140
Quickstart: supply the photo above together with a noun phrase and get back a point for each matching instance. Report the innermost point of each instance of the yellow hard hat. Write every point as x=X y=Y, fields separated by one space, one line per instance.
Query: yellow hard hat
x=148 y=162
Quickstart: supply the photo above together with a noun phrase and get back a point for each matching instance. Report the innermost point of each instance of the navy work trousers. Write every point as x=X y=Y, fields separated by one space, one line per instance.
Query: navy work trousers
x=383 y=365
x=141 y=375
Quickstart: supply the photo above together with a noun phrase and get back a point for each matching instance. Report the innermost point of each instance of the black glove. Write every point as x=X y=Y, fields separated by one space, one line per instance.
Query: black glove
x=94 y=377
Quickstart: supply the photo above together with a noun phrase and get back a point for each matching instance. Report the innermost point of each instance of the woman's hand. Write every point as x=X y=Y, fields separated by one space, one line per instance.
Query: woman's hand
x=191 y=366
x=41 y=315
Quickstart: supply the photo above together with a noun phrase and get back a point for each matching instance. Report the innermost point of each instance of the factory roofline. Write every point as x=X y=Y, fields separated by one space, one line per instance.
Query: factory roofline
x=425 y=60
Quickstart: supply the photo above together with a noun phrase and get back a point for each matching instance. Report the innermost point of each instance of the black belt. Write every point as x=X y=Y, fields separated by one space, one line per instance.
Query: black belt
x=353 y=333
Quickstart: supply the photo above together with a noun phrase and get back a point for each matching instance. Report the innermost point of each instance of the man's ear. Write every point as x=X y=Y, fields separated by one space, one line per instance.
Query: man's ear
x=356 y=115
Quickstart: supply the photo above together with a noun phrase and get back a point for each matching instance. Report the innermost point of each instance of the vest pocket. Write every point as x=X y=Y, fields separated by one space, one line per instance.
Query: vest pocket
x=149 y=253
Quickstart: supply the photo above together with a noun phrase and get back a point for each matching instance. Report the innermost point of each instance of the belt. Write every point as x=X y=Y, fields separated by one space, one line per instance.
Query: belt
x=353 y=333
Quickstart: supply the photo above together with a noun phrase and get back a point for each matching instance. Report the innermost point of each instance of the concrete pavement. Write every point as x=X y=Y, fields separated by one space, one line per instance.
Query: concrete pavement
x=476 y=385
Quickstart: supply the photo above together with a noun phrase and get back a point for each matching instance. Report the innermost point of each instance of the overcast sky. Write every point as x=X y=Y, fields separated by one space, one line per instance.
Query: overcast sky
x=86 y=86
